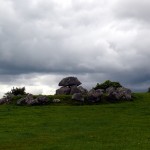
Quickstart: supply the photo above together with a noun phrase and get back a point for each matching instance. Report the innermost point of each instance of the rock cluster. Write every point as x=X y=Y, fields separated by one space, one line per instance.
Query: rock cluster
x=111 y=94
x=70 y=86
x=30 y=100
x=95 y=95
x=120 y=93
x=6 y=99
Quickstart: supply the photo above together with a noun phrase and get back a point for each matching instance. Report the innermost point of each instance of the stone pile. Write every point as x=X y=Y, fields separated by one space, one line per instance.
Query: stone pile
x=6 y=99
x=30 y=100
x=70 y=86
x=95 y=95
x=111 y=94
x=120 y=93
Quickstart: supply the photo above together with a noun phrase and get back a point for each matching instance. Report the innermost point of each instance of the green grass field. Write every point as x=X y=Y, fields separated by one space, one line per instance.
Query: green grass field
x=120 y=126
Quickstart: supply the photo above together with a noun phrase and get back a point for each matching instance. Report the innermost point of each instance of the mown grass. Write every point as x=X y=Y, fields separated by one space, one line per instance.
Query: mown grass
x=120 y=126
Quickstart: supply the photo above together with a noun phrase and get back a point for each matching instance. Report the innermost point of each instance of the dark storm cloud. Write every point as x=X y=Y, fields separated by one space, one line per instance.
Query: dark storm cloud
x=94 y=40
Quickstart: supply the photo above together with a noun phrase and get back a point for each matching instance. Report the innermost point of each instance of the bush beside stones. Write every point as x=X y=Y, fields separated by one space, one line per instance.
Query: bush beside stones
x=71 y=94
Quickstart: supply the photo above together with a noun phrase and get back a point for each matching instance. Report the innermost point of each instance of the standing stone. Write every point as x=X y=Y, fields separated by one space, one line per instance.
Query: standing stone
x=69 y=86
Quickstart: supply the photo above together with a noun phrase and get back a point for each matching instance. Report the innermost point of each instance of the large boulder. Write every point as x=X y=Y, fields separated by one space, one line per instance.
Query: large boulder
x=110 y=90
x=29 y=100
x=71 y=90
x=69 y=81
x=124 y=93
x=120 y=93
x=82 y=90
x=42 y=100
x=74 y=89
x=78 y=97
x=94 y=95
x=63 y=90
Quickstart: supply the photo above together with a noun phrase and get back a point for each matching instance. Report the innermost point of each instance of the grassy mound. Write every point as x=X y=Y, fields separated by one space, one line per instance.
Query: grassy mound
x=67 y=100
x=121 y=126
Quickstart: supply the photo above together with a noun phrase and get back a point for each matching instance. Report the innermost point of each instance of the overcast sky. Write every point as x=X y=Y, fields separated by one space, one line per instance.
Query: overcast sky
x=42 y=41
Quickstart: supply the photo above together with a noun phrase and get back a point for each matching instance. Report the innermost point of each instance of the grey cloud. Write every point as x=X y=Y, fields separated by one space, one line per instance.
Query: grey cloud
x=89 y=39
x=133 y=9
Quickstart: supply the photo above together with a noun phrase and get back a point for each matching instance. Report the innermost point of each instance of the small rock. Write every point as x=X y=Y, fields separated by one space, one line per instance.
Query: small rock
x=56 y=101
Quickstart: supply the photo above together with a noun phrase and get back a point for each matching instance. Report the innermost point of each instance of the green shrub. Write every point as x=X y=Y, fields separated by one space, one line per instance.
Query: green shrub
x=16 y=91
x=107 y=84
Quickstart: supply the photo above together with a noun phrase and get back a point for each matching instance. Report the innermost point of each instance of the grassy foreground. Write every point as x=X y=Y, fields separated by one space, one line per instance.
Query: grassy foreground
x=122 y=126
